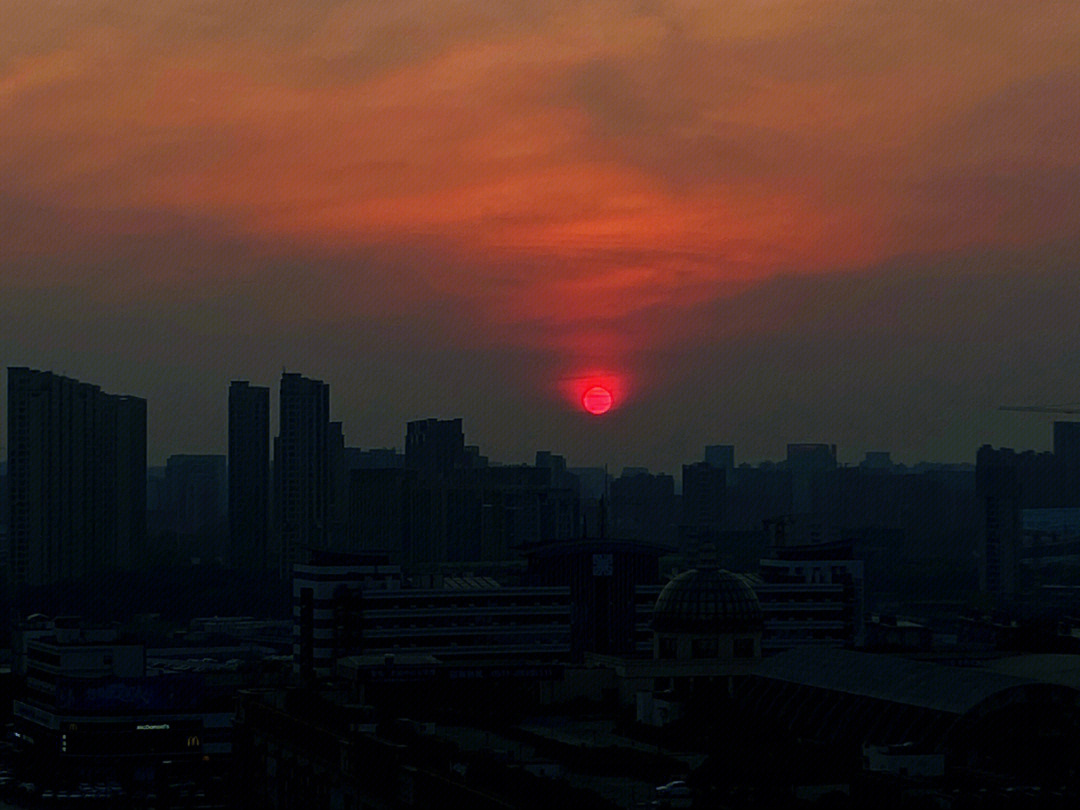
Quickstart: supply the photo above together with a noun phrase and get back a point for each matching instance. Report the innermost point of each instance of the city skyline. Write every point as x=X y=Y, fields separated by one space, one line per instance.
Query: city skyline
x=764 y=222
x=1046 y=426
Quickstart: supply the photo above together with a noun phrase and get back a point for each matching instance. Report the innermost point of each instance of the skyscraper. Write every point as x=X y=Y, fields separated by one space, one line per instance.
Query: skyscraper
x=997 y=486
x=302 y=469
x=76 y=477
x=123 y=443
x=249 y=474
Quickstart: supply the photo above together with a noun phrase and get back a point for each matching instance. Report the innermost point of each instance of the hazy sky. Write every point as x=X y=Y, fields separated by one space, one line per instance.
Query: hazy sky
x=758 y=222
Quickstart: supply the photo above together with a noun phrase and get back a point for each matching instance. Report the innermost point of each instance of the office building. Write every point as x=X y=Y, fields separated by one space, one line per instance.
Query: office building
x=249 y=474
x=76 y=478
x=813 y=594
x=345 y=604
x=325 y=606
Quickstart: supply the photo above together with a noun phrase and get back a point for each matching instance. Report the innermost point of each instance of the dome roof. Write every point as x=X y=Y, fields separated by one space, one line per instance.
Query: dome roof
x=707 y=600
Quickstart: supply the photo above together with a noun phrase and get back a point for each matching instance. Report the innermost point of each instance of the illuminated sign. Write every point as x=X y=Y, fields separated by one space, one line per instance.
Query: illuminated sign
x=153 y=727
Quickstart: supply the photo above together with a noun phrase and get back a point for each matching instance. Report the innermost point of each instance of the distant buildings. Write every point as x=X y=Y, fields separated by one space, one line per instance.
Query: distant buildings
x=249 y=475
x=703 y=490
x=643 y=506
x=446 y=504
x=1067 y=443
x=720 y=455
x=76 y=478
x=434 y=446
x=195 y=490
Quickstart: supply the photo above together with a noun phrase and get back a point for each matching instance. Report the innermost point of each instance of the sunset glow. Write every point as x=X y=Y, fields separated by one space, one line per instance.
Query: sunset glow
x=580 y=184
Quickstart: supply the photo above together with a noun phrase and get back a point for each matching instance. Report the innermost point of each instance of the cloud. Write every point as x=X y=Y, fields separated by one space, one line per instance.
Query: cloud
x=554 y=185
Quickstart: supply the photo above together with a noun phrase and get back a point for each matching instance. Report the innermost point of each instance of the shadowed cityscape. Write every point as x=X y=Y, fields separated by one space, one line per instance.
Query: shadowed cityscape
x=304 y=623
x=547 y=404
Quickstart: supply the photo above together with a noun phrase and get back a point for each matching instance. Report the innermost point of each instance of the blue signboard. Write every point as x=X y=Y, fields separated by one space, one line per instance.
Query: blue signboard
x=171 y=692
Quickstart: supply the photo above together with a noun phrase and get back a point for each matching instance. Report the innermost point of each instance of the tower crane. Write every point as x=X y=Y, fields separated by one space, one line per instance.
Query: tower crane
x=1066 y=409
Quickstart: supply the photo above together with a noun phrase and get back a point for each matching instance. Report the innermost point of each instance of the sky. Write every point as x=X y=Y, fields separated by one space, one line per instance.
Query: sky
x=756 y=222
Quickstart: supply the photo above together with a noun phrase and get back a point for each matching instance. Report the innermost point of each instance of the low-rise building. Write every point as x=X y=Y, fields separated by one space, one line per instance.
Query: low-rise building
x=91 y=709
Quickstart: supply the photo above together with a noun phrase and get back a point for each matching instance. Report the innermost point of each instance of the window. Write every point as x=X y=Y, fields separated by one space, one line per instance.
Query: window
x=705 y=648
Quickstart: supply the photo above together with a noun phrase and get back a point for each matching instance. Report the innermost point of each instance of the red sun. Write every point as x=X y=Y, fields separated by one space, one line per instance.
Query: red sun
x=596 y=400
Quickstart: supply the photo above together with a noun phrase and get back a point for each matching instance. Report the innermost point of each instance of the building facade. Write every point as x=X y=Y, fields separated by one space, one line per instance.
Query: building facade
x=93 y=710
x=76 y=478
x=302 y=470
x=998 y=489
x=348 y=605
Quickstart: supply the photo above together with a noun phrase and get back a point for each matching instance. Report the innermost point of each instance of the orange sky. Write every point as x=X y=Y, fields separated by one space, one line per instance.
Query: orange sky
x=552 y=186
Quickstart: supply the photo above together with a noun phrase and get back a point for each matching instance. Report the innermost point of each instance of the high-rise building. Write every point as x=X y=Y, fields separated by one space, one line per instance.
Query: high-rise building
x=720 y=455
x=123 y=442
x=249 y=474
x=302 y=470
x=76 y=477
x=997 y=486
x=434 y=446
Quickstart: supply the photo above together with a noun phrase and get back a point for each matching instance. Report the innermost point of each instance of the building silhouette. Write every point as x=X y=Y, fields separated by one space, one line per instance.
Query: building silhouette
x=643 y=505
x=998 y=489
x=76 y=477
x=434 y=446
x=302 y=473
x=1067 y=443
x=720 y=455
x=195 y=489
x=703 y=490
x=249 y=474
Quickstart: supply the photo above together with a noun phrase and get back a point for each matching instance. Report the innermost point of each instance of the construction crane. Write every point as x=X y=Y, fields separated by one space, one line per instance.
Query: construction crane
x=1068 y=409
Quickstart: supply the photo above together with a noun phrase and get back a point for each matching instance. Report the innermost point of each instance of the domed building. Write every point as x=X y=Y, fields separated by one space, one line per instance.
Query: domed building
x=706 y=626
x=707 y=614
